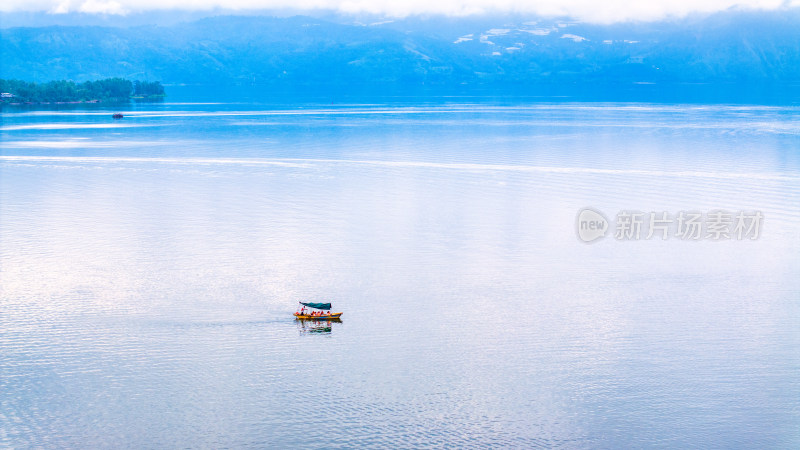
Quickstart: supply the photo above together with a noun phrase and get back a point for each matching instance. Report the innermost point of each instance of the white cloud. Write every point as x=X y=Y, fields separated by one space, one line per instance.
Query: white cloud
x=588 y=10
x=102 y=7
x=574 y=37
x=61 y=7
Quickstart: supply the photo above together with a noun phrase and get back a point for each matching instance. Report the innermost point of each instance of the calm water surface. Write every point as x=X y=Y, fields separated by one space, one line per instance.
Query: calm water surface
x=150 y=267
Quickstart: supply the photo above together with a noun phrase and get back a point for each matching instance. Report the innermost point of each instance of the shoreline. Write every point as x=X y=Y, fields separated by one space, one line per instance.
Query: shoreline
x=52 y=103
x=85 y=102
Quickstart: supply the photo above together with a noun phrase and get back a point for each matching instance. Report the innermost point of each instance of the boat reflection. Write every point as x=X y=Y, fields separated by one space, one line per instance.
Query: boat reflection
x=317 y=326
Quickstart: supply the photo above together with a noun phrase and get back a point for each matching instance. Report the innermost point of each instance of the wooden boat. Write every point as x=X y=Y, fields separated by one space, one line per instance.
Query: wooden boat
x=331 y=316
x=302 y=314
x=117 y=116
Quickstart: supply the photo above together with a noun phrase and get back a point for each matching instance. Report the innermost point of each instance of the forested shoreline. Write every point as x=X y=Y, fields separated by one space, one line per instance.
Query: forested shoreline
x=63 y=91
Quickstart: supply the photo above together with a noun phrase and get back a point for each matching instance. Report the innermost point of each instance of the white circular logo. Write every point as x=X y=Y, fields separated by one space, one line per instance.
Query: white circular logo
x=591 y=225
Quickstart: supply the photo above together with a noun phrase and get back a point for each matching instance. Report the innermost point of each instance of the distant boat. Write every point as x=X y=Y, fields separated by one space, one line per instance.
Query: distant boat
x=117 y=116
x=324 y=312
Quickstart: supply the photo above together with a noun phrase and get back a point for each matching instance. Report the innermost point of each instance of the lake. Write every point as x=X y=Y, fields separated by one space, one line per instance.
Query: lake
x=150 y=267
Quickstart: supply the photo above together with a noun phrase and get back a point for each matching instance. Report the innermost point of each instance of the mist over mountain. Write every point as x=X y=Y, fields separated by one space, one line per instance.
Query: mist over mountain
x=729 y=47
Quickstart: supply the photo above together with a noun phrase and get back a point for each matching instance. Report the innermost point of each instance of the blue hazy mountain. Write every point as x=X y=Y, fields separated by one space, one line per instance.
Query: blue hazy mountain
x=733 y=46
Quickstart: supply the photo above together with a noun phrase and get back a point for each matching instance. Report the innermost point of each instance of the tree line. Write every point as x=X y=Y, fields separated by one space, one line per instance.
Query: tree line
x=147 y=88
x=110 y=89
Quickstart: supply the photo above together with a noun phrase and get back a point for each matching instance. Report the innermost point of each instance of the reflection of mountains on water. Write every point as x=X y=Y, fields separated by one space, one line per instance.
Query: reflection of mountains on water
x=316 y=326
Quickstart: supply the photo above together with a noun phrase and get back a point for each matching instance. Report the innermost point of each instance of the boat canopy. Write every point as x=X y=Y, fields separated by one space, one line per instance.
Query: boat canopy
x=317 y=305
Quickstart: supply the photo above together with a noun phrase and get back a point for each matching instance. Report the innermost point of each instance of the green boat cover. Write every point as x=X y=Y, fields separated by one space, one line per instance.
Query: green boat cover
x=317 y=305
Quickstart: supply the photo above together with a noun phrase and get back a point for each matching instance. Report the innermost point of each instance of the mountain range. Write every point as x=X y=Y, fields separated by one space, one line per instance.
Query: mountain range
x=730 y=47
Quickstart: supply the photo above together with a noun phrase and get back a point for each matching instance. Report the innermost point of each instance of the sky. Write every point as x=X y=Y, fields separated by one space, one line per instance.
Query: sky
x=599 y=11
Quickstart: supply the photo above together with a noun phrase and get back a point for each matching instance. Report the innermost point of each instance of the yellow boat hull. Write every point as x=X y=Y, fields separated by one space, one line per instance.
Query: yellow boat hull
x=332 y=316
